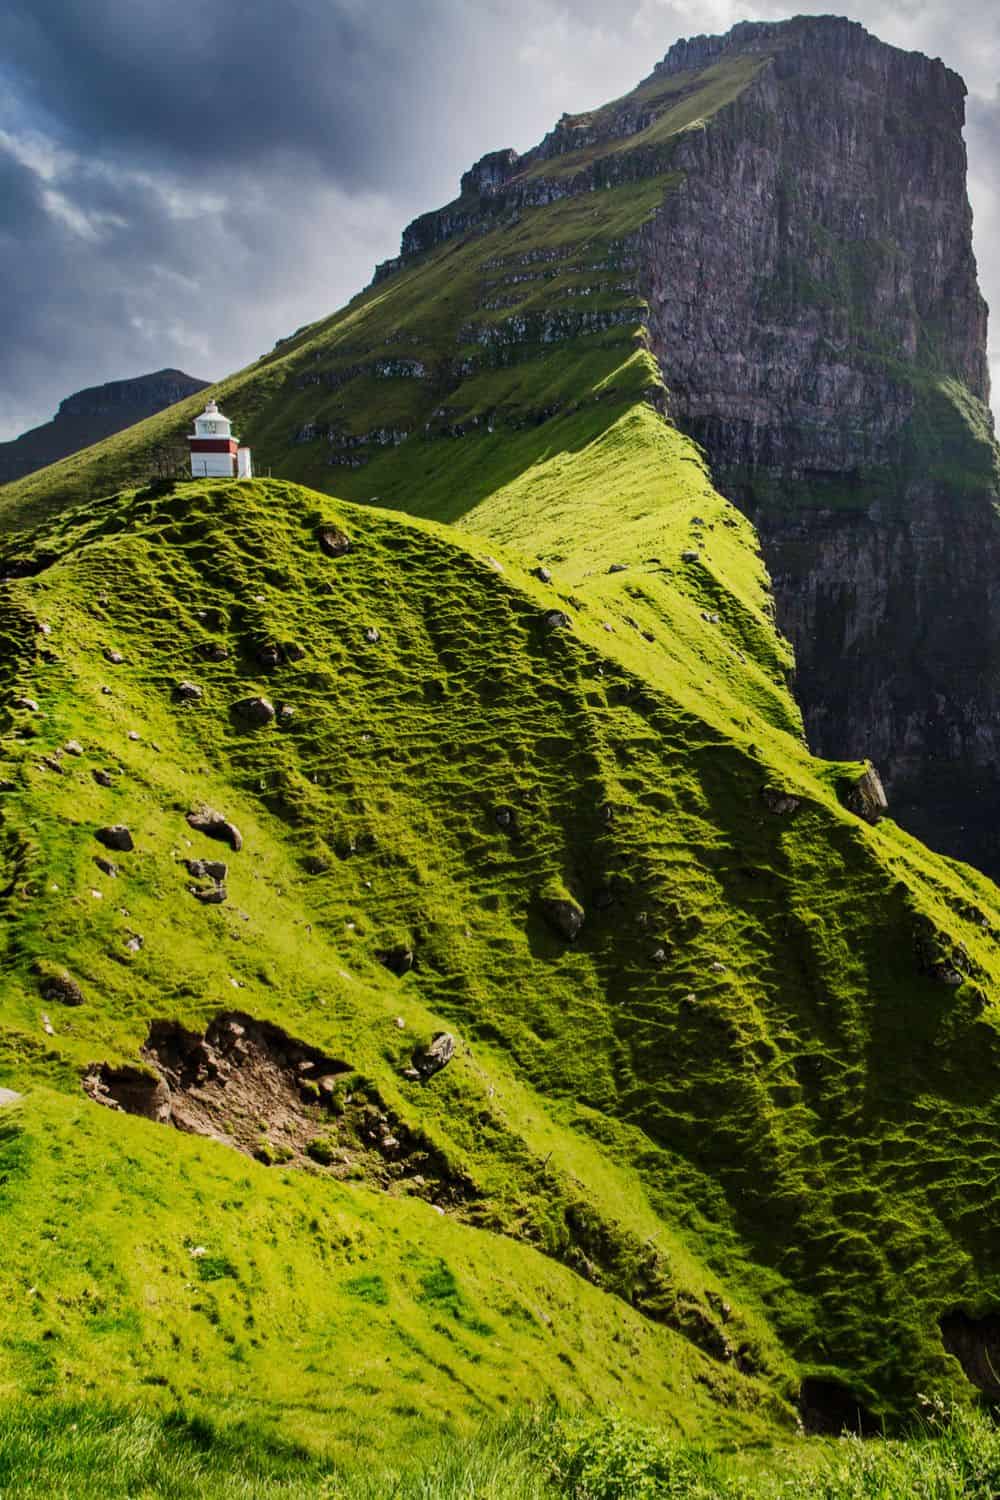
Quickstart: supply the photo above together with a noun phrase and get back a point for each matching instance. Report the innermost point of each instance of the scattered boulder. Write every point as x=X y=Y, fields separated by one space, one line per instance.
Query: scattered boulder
x=115 y=836
x=286 y=713
x=372 y=635
x=437 y=1054
x=618 y=568
x=564 y=916
x=211 y=895
x=206 y=869
x=556 y=620
x=253 y=713
x=542 y=574
x=332 y=540
x=73 y=747
x=57 y=985
x=778 y=801
x=114 y=657
x=270 y=656
x=940 y=958
x=398 y=960
x=865 y=795
x=9 y=1096
x=103 y=778
x=691 y=555
x=212 y=618
x=206 y=820
x=213 y=651
x=188 y=692
x=293 y=651
x=105 y=865
x=29 y=704
x=506 y=818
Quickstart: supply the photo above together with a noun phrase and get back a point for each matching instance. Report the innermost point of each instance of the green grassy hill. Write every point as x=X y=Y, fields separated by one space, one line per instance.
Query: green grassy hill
x=716 y=1147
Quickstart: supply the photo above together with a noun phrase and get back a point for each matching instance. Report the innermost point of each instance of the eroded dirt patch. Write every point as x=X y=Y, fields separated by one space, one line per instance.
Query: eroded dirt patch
x=251 y=1086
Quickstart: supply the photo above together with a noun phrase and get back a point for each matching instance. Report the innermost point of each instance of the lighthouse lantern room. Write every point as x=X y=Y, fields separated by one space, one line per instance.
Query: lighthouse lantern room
x=215 y=452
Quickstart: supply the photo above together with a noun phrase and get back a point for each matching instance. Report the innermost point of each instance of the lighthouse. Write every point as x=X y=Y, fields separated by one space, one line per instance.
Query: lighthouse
x=215 y=453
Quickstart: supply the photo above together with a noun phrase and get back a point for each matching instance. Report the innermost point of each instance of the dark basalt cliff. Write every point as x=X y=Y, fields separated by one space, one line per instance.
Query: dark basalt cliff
x=814 y=308
x=92 y=414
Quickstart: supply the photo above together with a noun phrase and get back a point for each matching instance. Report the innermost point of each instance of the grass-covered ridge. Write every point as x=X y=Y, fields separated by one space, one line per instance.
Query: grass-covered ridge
x=675 y=1135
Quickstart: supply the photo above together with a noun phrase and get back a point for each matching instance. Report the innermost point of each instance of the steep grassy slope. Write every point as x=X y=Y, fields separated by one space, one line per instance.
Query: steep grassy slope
x=733 y=1124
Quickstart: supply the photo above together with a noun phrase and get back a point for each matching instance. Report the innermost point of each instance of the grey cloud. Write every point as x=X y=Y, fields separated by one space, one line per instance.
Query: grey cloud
x=211 y=176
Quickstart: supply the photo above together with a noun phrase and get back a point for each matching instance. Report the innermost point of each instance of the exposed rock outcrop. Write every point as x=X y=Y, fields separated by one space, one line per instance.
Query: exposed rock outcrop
x=815 y=311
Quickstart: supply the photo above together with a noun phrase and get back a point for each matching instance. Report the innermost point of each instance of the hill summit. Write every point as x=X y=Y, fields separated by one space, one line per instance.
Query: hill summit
x=437 y=968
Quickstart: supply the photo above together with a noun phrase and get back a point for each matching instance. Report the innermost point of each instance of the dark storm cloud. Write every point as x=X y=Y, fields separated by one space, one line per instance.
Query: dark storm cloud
x=181 y=184
x=362 y=88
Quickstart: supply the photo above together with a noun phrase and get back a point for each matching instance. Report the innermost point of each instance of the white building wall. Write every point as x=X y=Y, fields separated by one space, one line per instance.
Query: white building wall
x=244 y=467
x=211 y=466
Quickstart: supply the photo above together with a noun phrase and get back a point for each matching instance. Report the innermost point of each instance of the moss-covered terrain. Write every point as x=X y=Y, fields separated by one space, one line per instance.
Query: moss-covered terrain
x=430 y=833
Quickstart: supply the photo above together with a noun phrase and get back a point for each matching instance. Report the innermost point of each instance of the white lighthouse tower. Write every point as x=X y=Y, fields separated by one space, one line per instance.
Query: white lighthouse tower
x=215 y=452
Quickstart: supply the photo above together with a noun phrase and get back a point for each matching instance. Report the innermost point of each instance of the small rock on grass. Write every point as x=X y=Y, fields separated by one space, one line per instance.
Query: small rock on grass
x=213 y=895
x=564 y=916
x=206 y=820
x=57 y=985
x=207 y=869
x=865 y=796
x=398 y=960
x=253 y=713
x=332 y=540
x=437 y=1054
x=115 y=836
x=213 y=651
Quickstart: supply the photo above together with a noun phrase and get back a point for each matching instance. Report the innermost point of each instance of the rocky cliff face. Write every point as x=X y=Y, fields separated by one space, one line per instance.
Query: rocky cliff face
x=815 y=310
x=92 y=414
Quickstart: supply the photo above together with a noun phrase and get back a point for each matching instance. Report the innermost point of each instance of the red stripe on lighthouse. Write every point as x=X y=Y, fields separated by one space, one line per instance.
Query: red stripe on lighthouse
x=213 y=445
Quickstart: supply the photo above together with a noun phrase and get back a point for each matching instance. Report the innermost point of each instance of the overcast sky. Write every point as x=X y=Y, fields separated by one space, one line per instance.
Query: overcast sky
x=182 y=184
